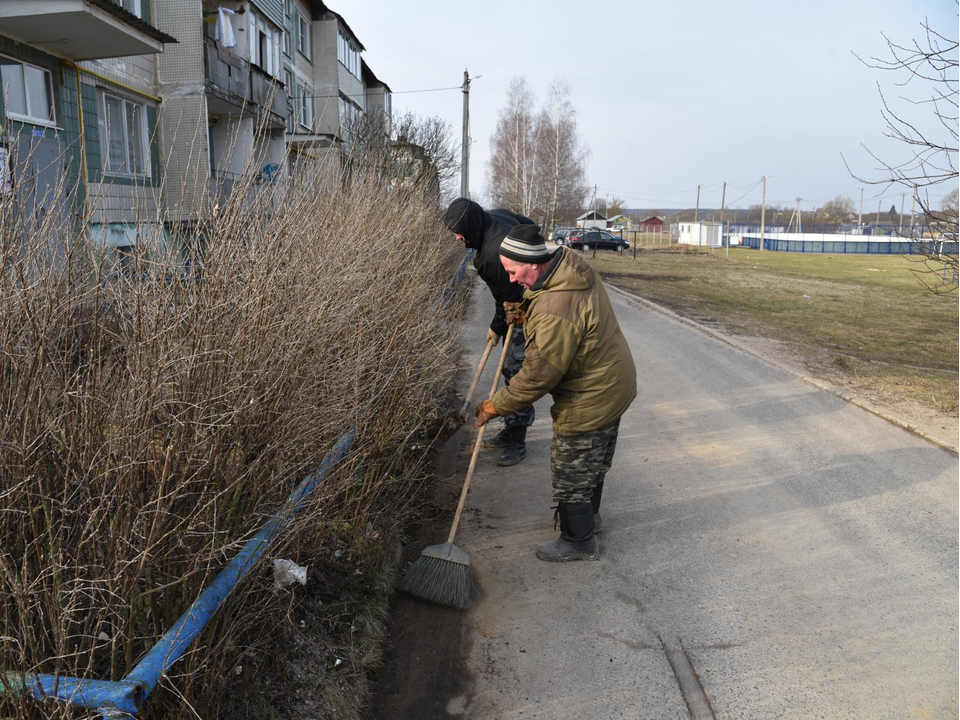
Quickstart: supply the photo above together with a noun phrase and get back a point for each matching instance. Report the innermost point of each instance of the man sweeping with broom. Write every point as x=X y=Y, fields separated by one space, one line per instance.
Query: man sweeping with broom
x=483 y=231
x=575 y=351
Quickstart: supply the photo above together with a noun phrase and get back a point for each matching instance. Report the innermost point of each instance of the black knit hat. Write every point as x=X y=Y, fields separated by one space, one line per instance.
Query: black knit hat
x=525 y=244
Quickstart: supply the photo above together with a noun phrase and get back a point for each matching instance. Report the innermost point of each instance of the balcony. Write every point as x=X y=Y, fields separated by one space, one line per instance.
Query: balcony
x=80 y=29
x=235 y=86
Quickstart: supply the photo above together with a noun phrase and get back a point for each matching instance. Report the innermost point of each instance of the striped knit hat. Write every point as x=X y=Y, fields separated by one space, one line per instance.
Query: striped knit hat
x=525 y=244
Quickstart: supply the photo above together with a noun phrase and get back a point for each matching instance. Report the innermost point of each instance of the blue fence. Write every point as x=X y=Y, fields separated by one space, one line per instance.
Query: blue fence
x=864 y=246
x=124 y=698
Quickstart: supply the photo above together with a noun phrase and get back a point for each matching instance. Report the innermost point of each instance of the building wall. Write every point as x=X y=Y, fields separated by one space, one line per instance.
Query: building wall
x=33 y=178
x=183 y=117
x=326 y=75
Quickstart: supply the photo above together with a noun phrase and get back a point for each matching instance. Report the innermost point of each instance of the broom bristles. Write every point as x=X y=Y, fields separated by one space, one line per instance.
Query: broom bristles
x=445 y=582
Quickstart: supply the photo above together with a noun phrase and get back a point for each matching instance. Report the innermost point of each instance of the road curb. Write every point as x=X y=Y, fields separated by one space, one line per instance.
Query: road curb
x=819 y=384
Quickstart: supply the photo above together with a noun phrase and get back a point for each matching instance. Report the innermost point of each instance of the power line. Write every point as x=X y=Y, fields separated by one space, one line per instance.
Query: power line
x=392 y=92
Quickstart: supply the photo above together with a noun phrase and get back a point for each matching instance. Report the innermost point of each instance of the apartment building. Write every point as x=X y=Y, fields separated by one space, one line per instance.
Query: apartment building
x=144 y=139
x=79 y=112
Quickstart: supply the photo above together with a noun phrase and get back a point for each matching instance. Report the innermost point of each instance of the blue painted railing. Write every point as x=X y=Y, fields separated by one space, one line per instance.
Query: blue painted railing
x=125 y=697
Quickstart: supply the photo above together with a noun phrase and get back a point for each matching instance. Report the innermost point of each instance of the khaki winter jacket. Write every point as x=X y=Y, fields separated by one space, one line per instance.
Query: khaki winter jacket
x=575 y=351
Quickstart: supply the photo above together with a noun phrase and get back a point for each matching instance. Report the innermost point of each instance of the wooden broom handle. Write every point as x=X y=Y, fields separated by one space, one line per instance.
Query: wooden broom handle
x=476 y=377
x=476 y=445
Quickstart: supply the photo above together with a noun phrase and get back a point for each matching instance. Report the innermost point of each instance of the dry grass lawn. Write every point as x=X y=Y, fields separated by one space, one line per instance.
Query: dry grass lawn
x=864 y=320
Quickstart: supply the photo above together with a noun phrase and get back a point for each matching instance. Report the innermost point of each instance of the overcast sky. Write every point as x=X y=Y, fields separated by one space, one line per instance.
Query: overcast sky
x=669 y=94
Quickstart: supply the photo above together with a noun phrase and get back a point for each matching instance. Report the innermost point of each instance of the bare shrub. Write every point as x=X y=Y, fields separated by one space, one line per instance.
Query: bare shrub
x=152 y=416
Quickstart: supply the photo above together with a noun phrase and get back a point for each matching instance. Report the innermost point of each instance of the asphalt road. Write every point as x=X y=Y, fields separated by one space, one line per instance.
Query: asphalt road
x=769 y=551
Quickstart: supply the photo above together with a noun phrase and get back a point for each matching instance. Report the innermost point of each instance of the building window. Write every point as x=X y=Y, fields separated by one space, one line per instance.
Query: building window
x=124 y=137
x=348 y=55
x=303 y=34
x=28 y=92
x=286 y=43
x=286 y=8
x=293 y=111
x=349 y=114
x=306 y=108
x=265 y=45
x=388 y=103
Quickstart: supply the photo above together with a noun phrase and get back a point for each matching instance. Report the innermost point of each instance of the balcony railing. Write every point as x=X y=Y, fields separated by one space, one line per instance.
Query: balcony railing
x=237 y=82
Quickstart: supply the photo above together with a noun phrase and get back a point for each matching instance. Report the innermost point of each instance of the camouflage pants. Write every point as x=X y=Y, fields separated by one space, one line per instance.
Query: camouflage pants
x=511 y=366
x=580 y=462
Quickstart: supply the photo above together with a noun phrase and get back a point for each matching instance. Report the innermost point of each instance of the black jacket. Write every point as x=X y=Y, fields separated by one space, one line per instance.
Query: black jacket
x=484 y=231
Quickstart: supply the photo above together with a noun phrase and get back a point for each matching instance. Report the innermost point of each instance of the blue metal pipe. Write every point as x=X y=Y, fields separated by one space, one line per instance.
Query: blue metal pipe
x=128 y=695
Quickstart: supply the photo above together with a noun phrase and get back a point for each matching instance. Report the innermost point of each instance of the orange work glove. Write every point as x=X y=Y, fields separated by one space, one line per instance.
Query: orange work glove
x=515 y=315
x=485 y=413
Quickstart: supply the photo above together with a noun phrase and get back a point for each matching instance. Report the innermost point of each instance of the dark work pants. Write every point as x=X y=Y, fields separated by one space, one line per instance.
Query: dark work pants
x=512 y=365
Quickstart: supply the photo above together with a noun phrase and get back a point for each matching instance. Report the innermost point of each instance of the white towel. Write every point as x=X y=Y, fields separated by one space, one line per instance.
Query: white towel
x=223 y=33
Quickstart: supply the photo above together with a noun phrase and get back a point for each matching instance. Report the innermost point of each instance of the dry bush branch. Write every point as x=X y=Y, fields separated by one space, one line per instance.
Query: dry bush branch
x=152 y=418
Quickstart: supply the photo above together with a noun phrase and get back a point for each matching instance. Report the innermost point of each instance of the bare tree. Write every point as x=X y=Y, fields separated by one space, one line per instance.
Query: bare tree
x=409 y=151
x=838 y=209
x=536 y=164
x=565 y=156
x=929 y=68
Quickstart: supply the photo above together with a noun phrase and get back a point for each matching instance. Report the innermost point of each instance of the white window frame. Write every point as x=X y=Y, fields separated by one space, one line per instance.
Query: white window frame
x=124 y=170
x=30 y=117
x=292 y=87
x=303 y=36
x=306 y=108
x=348 y=54
x=271 y=63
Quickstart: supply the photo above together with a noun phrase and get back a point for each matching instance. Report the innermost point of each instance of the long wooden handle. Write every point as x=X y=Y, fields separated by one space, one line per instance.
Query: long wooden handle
x=476 y=377
x=476 y=445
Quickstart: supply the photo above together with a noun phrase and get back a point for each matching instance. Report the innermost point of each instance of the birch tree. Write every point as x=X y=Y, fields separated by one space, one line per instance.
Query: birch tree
x=537 y=158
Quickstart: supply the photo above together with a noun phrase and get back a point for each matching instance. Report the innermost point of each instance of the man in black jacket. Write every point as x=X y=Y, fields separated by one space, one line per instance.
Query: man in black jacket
x=483 y=232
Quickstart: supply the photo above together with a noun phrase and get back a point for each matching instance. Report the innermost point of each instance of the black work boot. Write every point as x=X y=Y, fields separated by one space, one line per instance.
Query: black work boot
x=576 y=541
x=595 y=501
x=516 y=449
x=500 y=440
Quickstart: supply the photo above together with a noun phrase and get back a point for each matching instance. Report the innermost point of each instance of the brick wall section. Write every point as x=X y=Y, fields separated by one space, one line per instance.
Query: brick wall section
x=183 y=116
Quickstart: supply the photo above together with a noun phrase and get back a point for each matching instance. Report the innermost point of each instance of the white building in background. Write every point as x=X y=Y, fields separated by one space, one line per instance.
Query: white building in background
x=701 y=234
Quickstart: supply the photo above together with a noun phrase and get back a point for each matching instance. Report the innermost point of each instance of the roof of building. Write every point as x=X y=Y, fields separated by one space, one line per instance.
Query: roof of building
x=370 y=76
x=133 y=21
x=343 y=22
x=591 y=215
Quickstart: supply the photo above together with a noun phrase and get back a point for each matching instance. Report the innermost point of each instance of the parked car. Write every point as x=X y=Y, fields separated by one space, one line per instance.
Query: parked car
x=560 y=235
x=588 y=239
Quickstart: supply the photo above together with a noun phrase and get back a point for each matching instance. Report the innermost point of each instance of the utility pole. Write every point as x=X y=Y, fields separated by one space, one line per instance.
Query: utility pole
x=903 y=199
x=879 y=205
x=763 y=212
x=799 y=216
x=696 y=213
x=913 y=208
x=723 y=203
x=465 y=153
x=860 y=216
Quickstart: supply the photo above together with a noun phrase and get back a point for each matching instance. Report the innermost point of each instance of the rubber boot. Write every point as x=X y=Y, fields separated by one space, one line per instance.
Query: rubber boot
x=576 y=541
x=516 y=449
x=595 y=500
x=500 y=440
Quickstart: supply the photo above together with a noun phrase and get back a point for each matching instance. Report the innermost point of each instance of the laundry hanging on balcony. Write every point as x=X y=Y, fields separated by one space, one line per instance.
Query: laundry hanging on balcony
x=223 y=32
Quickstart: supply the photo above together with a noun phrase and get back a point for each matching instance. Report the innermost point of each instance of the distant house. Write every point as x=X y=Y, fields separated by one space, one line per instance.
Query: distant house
x=620 y=222
x=649 y=223
x=592 y=219
x=703 y=234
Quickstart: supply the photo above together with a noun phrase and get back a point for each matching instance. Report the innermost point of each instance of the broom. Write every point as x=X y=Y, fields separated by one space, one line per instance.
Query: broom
x=442 y=572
